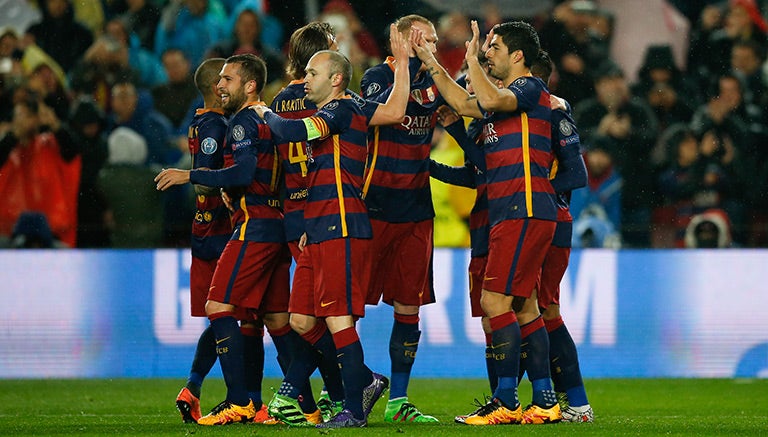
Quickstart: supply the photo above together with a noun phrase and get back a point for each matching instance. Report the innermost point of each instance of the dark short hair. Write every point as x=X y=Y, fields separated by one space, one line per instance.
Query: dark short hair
x=519 y=35
x=251 y=67
x=543 y=66
x=207 y=74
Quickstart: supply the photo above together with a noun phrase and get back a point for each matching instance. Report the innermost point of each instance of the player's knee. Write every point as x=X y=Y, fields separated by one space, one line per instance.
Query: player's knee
x=275 y=320
x=302 y=323
x=552 y=312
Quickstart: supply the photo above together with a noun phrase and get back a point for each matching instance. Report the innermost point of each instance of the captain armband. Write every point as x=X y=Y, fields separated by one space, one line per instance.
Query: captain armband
x=312 y=131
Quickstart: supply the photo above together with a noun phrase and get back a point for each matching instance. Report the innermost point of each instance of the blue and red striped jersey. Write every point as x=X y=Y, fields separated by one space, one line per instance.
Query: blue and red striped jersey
x=335 y=206
x=567 y=173
x=258 y=215
x=518 y=156
x=397 y=176
x=291 y=103
x=212 y=224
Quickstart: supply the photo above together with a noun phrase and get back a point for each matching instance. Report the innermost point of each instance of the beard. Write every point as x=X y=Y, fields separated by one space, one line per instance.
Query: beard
x=234 y=102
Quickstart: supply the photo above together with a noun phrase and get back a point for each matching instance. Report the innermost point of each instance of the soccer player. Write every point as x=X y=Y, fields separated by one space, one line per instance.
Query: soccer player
x=399 y=202
x=292 y=103
x=211 y=228
x=253 y=269
x=516 y=143
x=568 y=173
x=338 y=230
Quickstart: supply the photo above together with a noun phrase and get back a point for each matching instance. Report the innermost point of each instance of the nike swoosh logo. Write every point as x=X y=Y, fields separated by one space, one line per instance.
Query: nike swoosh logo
x=495 y=346
x=223 y=339
x=407 y=344
x=490 y=278
x=325 y=304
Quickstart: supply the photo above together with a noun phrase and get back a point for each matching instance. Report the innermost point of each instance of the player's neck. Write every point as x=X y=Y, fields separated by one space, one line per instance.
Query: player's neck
x=516 y=74
x=253 y=100
x=333 y=96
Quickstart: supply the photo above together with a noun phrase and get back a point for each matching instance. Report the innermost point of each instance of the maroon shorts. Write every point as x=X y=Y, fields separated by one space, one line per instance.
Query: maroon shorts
x=341 y=271
x=515 y=254
x=302 y=290
x=552 y=271
x=252 y=275
x=402 y=263
x=200 y=275
x=476 y=274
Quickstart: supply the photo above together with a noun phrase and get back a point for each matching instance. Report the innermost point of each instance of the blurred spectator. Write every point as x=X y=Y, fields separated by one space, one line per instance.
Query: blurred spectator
x=737 y=171
x=32 y=231
x=661 y=85
x=144 y=62
x=136 y=112
x=246 y=38
x=600 y=200
x=90 y=15
x=725 y=112
x=709 y=230
x=746 y=62
x=87 y=123
x=353 y=40
x=742 y=22
x=190 y=26
x=17 y=15
x=45 y=83
x=142 y=18
x=632 y=129
x=174 y=98
x=105 y=63
x=40 y=168
x=59 y=35
x=271 y=28
x=452 y=31
x=364 y=39
x=688 y=184
x=135 y=204
x=574 y=47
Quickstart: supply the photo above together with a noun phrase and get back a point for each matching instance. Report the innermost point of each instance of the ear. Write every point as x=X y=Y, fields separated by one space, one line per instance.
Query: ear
x=336 y=79
x=250 y=88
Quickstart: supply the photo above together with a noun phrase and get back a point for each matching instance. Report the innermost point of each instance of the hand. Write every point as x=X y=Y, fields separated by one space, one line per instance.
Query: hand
x=401 y=47
x=557 y=103
x=227 y=201
x=48 y=117
x=447 y=116
x=260 y=110
x=169 y=177
x=420 y=46
x=303 y=241
x=473 y=45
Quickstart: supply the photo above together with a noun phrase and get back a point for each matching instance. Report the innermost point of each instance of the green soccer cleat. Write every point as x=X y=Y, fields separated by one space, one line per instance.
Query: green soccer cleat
x=328 y=408
x=287 y=410
x=401 y=411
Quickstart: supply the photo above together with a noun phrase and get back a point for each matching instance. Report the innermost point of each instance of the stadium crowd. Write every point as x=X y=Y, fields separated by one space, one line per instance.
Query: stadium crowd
x=109 y=85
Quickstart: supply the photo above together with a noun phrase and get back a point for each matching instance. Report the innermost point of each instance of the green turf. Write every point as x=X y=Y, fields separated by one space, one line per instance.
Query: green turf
x=638 y=407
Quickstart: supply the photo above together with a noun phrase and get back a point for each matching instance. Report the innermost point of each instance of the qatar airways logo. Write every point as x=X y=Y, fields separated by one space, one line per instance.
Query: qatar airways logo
x=418 y=125
x=489 y=134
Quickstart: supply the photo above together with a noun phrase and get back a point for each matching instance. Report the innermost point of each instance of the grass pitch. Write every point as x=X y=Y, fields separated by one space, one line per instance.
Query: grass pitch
x=146 y=407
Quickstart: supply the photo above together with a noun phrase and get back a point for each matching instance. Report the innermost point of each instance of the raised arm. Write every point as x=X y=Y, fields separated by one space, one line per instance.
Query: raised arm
x=393 y=110
x=490 y=97
x=454 y=94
